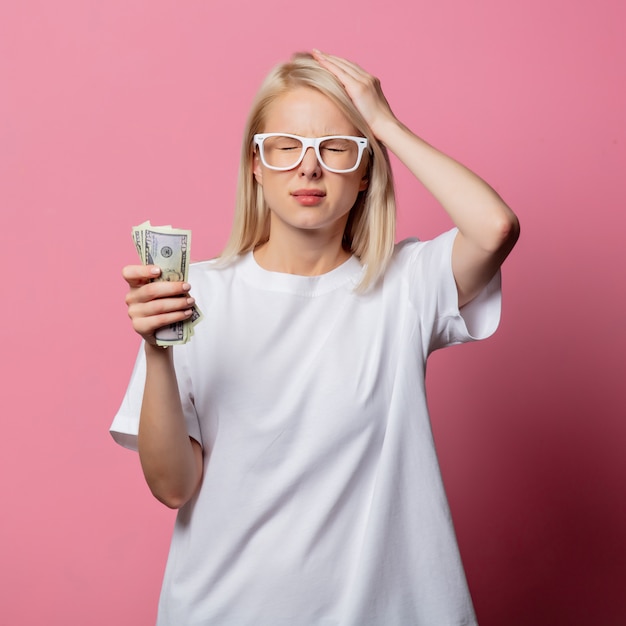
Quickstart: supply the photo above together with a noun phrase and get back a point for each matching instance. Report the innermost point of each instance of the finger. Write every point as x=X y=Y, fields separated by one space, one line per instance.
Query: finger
x=136 y=275
x=159 y=307
x=341 y=67
x=336 y=60
x=147 y=326
x=362 y=87
x=157 y=290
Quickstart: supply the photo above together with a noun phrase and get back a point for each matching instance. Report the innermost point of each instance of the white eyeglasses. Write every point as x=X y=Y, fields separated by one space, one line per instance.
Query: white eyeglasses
x=336 y=153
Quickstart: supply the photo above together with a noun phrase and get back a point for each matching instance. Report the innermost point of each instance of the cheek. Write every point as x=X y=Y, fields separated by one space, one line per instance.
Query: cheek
x=271 y=187
x=356 y=185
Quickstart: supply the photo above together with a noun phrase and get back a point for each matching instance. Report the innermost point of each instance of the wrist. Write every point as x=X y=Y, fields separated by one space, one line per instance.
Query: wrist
x=388 y=129
x=154 y=350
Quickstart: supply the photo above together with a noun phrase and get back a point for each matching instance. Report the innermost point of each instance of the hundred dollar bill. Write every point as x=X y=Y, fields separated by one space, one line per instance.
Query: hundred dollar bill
x=170 y=249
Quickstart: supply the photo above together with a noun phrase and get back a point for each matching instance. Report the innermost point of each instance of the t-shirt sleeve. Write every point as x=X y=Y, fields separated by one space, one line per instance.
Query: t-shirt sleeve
x=434 y=294
x=125 y=426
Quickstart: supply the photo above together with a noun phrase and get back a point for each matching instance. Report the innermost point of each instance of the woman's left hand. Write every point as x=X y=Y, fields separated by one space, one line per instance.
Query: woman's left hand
x=363 y=88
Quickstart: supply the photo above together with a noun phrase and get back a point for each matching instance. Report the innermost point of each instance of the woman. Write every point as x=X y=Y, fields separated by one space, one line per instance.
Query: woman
x=292 y=432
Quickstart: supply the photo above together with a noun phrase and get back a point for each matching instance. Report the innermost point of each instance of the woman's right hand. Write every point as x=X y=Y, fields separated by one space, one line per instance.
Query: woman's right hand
x=152 y=305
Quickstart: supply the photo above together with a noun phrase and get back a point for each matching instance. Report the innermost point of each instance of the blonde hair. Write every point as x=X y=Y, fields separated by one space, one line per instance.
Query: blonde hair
x=370 y=230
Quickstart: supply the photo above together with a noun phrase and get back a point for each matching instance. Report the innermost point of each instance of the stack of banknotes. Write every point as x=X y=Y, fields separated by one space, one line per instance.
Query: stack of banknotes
x=170 y=249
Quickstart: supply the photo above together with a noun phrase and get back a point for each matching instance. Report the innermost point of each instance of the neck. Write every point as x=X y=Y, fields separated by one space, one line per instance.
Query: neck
x=306 y=255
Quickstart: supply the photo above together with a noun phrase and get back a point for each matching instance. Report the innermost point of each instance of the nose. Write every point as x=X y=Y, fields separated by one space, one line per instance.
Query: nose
x=309 y=165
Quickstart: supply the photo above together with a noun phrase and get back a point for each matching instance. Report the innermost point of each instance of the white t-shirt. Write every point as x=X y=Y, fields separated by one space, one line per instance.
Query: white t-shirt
x=322 y=502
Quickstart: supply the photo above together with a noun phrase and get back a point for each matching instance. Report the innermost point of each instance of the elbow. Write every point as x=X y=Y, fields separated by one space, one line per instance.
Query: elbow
x=174 y=494
x=503 y=234
x=510 y=232
x=172 y=500
x=173 y=504
x=175 y=482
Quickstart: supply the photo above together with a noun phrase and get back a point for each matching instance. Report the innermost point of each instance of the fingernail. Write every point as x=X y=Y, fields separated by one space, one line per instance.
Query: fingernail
x=155 y=270
x=186 y=286
x=190 y=300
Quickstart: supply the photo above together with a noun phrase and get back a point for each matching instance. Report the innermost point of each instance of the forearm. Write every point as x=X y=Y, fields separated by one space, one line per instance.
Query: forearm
x=171 y=466
x=475 y=208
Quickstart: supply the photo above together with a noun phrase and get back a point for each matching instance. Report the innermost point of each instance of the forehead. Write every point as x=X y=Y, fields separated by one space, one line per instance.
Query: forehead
x=307 y=112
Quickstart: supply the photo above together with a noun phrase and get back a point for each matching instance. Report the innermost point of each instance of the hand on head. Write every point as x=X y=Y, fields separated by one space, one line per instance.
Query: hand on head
x=364 y=89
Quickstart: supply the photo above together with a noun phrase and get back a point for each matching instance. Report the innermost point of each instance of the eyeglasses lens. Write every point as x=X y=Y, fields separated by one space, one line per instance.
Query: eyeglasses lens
x=285 y=152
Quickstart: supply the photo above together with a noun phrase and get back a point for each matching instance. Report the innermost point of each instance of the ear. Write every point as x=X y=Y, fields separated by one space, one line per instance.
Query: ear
x=365 y=179
x=256 y=169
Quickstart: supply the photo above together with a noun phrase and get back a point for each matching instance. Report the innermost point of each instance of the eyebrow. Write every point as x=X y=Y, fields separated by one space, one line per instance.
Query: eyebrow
x=326 y=133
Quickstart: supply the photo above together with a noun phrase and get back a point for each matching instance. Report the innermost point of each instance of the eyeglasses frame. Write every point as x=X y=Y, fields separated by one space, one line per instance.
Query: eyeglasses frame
x=311 y=142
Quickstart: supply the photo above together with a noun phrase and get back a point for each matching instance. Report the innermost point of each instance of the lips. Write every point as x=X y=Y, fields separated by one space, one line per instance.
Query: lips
x=309 y=192
x=309 y=197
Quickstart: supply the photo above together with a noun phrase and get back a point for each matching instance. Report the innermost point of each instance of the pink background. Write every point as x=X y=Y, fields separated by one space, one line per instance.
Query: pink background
x=116 y=112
